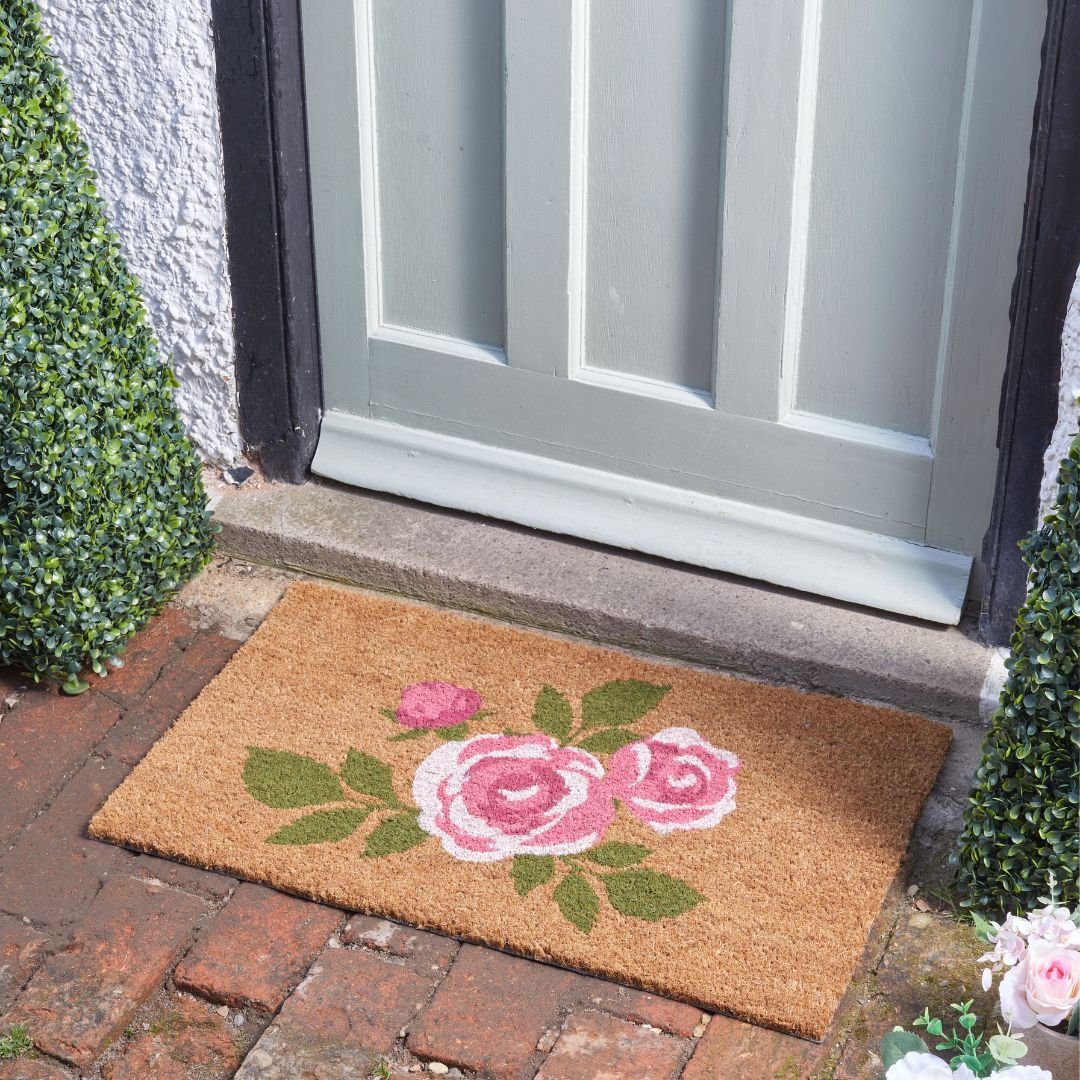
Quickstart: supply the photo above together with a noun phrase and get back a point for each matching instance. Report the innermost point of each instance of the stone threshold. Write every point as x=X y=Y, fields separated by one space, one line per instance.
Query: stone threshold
x=617 y=597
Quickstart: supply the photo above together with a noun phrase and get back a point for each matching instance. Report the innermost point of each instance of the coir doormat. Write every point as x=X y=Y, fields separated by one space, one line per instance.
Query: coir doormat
x=705 y=838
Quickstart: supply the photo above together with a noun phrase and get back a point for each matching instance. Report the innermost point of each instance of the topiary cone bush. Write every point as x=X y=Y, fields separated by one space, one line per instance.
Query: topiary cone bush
x=1022 y=823
x=102 y=510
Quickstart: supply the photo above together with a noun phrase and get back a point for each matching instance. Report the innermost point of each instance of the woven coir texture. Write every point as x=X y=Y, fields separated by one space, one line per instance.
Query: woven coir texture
x=705 y=838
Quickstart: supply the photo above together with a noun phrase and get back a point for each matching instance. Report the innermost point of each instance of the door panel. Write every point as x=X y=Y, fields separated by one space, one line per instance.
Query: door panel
x=653 y=180
x=722 y=250
x=884 y=166
x=438 y=79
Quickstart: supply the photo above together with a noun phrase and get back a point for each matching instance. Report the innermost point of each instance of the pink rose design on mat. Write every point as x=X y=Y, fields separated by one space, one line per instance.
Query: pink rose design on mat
x=436 y=705
x=496 y=796
x=674 y=780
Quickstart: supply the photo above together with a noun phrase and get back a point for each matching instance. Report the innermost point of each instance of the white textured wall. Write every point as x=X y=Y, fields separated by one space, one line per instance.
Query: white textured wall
x=142 y=79
x=1068 y=410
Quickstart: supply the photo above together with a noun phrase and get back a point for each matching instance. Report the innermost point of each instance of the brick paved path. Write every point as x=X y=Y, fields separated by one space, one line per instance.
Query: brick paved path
x=127 y=966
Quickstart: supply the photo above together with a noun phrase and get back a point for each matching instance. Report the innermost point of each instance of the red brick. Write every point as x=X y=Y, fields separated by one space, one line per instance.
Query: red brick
x=178 y=685
x=424 y=953
x=184 y=1041
x=146 y=655
x=20 y=952
x=489 y=1012
x=642 y=1008
x=257 y=949
x=32 y=1069
x=118 y=956
x=54 y=870
x=43 y=740
x=181 y=876
x=729 y=1048
x=346 y=1012
x=593 y=1045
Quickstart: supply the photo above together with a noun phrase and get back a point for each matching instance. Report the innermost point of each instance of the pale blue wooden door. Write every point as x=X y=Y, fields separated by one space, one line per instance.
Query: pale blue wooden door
x=725 y=282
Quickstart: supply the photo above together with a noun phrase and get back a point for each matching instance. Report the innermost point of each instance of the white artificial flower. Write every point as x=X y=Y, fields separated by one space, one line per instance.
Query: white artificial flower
x=1021 y=1072
x=916 y=1065
x=1010 y=939
x=1054 y=924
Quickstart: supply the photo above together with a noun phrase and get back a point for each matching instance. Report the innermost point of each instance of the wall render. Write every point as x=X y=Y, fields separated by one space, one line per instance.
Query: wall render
x=143 y=85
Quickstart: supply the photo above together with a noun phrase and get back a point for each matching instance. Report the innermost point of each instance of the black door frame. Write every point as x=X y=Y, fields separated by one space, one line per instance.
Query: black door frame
x=1046 y=270
x=260 y=83
x=268 y=214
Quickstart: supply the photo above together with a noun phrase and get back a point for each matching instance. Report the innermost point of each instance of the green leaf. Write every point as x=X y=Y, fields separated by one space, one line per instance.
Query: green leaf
x=552 y=713
x=970 y=1060
x=396 y=834
x=408 y=736
x=620 y=702
x=983 y=926
x=322 y=826
x=286 y=781
x=895 y=1044
x=455 y=731
x=531 y=871
x=577 y=901
x=369 y=776
x=609 y=740
x=389 y=714
x=1005 y=1049
x=617 y=854
x=646 y=894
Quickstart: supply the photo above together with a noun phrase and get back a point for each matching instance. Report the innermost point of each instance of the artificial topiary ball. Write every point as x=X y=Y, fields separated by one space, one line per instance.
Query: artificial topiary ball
x=102 y=510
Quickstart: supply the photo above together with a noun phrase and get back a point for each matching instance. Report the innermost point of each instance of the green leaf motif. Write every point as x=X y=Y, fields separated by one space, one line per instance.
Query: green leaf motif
x=286 y=781
x=552 y=713
x=322 y=826
x=577 y=901
x=408 y=736
x=394 y=835
x=895 y=1044
x=617 y=854
x=455 y=731
x=620 y=702
x=609 y=740
x=648 y=895
x=531 y=871
x=369 y=776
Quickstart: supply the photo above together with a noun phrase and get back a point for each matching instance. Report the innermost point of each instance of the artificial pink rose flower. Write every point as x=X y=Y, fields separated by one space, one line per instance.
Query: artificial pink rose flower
x=1043 y=987
x=436 y=705
x=674 y=780
x=495 y=796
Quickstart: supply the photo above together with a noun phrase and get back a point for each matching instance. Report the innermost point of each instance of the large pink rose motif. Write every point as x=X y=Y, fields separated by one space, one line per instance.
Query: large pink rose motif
x=436 y=705
x=674 y=780
x=495 y=796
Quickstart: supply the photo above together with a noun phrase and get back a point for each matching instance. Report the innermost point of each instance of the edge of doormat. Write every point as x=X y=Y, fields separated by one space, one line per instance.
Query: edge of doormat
x=332 y=898
x=644 y=985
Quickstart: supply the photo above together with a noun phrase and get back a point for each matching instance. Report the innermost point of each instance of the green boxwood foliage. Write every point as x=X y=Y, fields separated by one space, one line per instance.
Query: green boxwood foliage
x=1022 y=823
x=102 y=510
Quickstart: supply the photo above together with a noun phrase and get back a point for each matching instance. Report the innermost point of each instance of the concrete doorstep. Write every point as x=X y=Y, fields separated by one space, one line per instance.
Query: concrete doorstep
x=617 y=597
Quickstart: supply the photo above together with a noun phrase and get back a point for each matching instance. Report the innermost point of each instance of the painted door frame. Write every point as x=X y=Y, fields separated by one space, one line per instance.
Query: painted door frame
x=260 y=84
